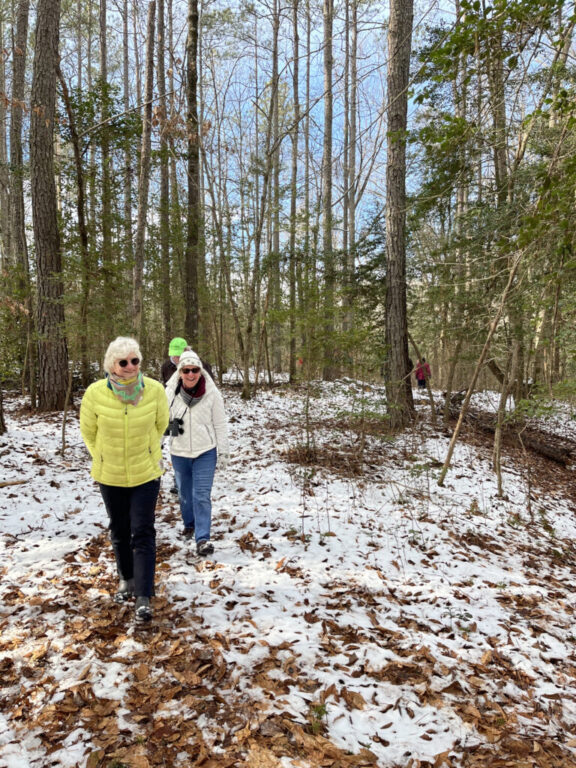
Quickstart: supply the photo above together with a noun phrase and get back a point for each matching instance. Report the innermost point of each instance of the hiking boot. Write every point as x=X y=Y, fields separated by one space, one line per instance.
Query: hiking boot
x=204 y=548
x=125 y=590
x=188 y=532
x=143 y=609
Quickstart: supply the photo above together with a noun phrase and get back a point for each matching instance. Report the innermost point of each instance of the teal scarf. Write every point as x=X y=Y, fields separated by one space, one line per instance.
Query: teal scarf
x=129 y=392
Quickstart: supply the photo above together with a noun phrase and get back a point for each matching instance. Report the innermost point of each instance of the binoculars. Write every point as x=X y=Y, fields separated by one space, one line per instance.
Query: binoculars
x=175 y=427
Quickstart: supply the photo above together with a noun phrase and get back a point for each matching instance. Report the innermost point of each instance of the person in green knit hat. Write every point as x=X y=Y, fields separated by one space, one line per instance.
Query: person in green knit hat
x=175 y=349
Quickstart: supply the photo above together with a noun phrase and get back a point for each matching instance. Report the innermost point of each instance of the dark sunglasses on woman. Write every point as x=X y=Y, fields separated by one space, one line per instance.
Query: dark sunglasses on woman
x=124 y=363
x=190 y=370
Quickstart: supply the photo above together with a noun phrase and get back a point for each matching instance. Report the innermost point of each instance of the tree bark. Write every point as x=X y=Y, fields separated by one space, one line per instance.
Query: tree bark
x=164 y=212
x=398 y=389
x=294 y=133
x=128 y=166
x=106 y=192
x=144 y=178
x=18 y=243
x=85 y=277
x=5 y=249
x=329 y=371
x=193 y=244
x=52 y=347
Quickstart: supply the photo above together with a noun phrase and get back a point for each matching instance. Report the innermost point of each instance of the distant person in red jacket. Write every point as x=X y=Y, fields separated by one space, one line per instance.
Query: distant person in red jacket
x=422 y=373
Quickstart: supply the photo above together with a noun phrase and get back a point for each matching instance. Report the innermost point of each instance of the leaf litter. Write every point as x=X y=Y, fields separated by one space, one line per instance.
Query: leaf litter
x=354 y=612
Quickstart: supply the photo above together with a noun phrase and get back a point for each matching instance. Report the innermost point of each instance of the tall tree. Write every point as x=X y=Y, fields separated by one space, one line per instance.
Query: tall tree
x=164 y=212
x=52 y=347
x=128 y=154
x=144 y=177
x=274 y=259
x=294 y=134
x=329 y=371
x=4 y=173
x=85 y=261
x=398 y=387
x=18 y=243
x=349 y=197
x=193 y=242
x=106 y=217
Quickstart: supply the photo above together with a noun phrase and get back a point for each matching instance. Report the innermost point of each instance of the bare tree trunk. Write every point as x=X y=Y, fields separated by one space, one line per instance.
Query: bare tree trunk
x=177 y=243
x=164 y=212
x=329 y=372
x=507 y=385
x=52 y=348
x=5 y=249
x=83 y=234
x=106 y=217
x=18 y=242
x=275 y=336
x=479 y=365
x=308 y=268
x=398 y=389
x=136 y=50
x=2 y=422
x=193 y=244
x=79 y=43
x=294 y=192
x=350 y=164
x=144 y=178
x=453 y=362
x=128 y=166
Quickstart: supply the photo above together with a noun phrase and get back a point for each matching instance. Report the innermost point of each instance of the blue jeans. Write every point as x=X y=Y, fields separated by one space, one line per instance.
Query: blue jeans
x=194 y=478
x=131 y=512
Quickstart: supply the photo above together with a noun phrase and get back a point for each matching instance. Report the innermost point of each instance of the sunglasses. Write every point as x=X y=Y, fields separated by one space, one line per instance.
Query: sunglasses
x=190 y=370
x=124 y=363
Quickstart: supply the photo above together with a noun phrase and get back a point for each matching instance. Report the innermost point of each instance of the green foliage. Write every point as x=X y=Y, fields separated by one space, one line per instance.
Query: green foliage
x=121 y=130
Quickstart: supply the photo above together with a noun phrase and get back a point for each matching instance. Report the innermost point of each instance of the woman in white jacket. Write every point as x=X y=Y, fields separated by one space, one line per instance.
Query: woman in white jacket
x=198 y=442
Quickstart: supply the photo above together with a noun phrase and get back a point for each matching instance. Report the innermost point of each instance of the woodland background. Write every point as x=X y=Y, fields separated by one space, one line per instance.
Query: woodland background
x=320 y=188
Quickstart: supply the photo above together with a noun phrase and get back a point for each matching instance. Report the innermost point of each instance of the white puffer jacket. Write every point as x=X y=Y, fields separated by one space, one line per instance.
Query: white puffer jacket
x=205 y=424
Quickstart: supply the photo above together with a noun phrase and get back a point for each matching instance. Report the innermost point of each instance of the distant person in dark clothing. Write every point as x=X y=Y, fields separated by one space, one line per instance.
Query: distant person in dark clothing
x=175 y=349
x=422 y=373
x=177 y=346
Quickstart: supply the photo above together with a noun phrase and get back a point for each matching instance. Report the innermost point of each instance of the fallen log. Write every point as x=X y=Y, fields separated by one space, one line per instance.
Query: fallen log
x=559 y=449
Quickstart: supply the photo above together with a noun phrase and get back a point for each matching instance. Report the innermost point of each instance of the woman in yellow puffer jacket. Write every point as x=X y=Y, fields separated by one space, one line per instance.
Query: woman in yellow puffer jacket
x=122 y=420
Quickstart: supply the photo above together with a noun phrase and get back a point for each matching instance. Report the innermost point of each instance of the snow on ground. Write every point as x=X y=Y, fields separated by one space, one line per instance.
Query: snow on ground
x=354 y=613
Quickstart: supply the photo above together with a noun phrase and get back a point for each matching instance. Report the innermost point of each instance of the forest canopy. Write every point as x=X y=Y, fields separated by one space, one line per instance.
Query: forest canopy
x=219 y=172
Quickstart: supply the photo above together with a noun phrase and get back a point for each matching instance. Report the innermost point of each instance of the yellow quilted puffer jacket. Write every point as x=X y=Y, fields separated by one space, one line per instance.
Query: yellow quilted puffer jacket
x=124 y=440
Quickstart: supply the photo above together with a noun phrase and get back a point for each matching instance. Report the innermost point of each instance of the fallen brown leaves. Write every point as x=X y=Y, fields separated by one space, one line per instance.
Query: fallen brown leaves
x=176 y=675
x=180 y=703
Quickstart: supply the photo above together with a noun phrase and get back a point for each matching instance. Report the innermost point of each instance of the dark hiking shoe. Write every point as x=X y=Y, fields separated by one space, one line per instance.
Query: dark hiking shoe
x=188 y=532
x=204 y=548
x=125 y=590
x=143 y=609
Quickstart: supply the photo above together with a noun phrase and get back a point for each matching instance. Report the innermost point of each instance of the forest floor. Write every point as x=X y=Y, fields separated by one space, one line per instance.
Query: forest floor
x=355 y=613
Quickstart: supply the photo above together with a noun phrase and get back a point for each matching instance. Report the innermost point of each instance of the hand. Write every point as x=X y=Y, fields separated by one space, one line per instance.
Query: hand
x=223 y=460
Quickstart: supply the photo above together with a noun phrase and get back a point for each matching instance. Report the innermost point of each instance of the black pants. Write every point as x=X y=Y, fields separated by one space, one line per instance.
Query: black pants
x=131 y=512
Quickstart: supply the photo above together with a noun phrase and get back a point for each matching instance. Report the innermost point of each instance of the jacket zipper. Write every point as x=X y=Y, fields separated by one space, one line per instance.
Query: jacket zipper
x=126 y=442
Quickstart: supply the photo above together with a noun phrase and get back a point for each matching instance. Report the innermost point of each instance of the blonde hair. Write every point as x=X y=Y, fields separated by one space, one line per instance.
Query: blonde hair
x=120 y=348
